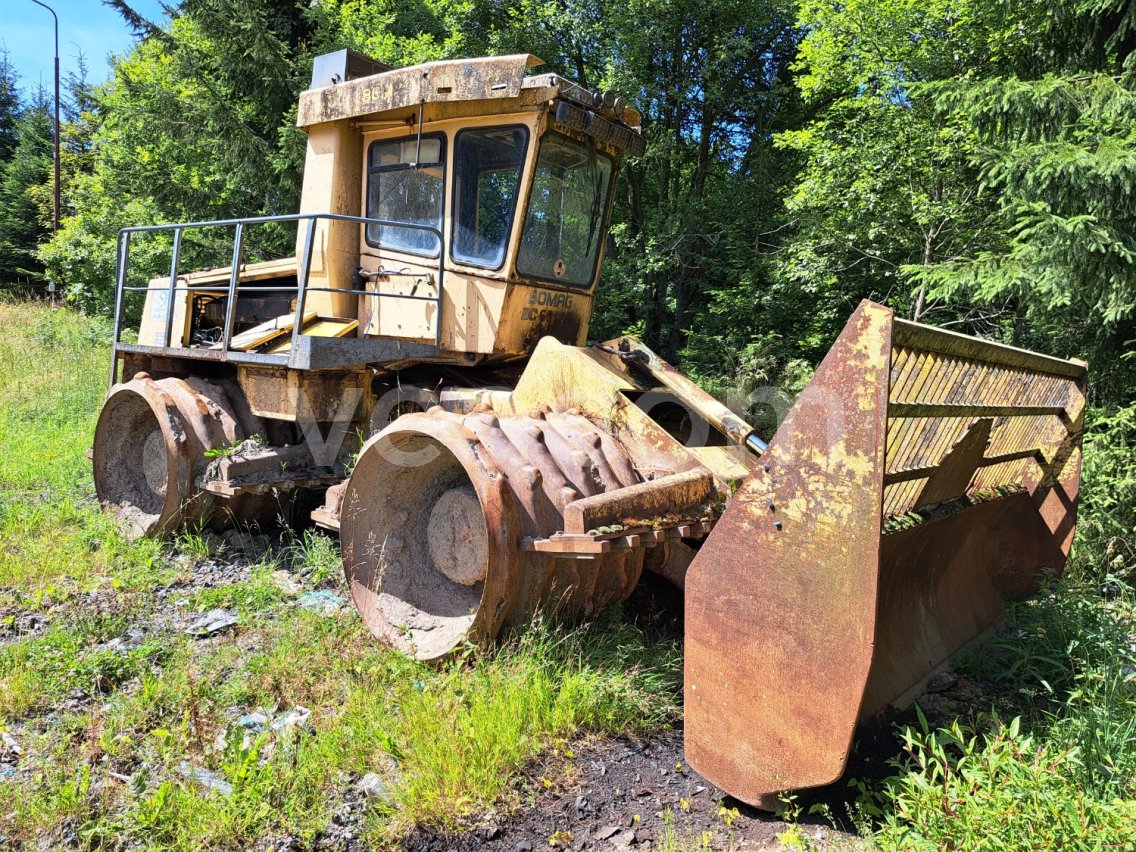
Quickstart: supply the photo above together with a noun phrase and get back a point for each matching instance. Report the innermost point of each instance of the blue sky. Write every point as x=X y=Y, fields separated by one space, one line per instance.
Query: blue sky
x=85 y=26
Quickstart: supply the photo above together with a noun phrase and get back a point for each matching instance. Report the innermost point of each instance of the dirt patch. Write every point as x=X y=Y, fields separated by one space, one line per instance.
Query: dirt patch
x=617 y=793
x=621 y=793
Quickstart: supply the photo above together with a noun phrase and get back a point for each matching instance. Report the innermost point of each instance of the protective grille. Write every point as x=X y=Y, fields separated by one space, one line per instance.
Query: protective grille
x=944 y=386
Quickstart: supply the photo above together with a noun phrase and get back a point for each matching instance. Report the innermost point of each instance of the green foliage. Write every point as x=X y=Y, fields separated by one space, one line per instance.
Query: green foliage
x=40 y=671
x=54 y=540
x=373 y=711
x=547 y=683
x=1058 y=167
x=314 y=556
x=193 y=117
x=887 y=187
x=1065 y=665
x=1007 y=790
x=690 y=252
x=256 y=595
x=1062 y=773
x=395 y=33
x=197 y=123
x=1106 y=533
x=9 y=108
x=22 y=179
x=81 y=255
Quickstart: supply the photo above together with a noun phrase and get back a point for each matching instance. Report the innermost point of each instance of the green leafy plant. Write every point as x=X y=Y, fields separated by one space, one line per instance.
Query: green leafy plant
x=313 y=555
x=233 y=447
x=1005 y=790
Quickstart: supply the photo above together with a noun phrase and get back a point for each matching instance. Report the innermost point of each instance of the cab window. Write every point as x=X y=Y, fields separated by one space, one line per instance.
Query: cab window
x=487 y=175
x=400 y=190
x=564 y=222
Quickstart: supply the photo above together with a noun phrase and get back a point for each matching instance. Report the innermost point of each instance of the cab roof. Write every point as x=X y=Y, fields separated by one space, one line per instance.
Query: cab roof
x=456 y=87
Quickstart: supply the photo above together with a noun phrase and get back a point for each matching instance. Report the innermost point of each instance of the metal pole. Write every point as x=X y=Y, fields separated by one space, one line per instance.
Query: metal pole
x=55 y=211
x=302 y=281
x=121 y=257
x=234 y=277
x=168 y=337
x=441 y=293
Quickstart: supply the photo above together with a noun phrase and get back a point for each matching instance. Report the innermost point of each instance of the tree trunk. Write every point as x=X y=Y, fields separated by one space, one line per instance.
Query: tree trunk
x=685 y=285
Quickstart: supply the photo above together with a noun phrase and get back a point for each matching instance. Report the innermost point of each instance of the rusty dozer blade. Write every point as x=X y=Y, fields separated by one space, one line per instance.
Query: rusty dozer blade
x=921 y=480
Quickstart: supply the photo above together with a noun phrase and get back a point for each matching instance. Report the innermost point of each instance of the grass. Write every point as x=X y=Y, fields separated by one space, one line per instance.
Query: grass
x=446 y=742
x=257 y=594
x=674 y=839
x=315 y=556
x=1004 y=789
x=53 y=539
x=112 y=738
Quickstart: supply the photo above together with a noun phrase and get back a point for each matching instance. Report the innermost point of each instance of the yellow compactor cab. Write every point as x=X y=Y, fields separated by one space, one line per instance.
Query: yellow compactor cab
x=497 y=188
x=417 y=372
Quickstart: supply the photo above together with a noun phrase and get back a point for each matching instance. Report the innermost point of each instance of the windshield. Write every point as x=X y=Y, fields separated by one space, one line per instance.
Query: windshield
x=399 y=192
x=487 y=173
x=567 y=202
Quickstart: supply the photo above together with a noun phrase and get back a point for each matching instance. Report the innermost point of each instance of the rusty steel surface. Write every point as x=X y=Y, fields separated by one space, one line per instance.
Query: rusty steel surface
x=944 y=582
x=495 y=84
x=149 y=451
x=921 y=481
x=495 y=78
x=432 y=518
x=528 y=475
x=945 y=385
x=322 y=396
x=586 y=488
x=600 y=386
x=725 y=420
x=395 y=567
x=781 y=599
x=680 y=496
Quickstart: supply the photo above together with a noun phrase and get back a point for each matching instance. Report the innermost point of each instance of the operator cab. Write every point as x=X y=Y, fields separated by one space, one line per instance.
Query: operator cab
x=456 y=210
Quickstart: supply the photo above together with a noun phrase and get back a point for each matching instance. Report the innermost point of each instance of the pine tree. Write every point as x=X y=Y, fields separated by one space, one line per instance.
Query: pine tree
x=1057 y=158
x=9 y=107
x=23 y=219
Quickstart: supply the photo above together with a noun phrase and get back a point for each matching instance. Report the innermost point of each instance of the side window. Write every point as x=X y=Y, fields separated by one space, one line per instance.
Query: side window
x=487 y=174
x=400 y=191
x=567 y=203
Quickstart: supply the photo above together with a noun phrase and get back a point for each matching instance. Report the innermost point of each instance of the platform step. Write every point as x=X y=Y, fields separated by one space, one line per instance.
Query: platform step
x=606 y=540
x=263 y=484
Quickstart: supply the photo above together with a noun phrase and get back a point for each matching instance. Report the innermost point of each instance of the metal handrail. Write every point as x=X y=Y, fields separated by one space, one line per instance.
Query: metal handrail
x=122 y=257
